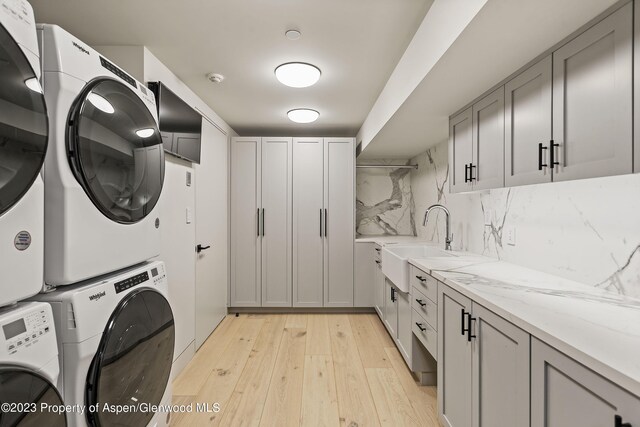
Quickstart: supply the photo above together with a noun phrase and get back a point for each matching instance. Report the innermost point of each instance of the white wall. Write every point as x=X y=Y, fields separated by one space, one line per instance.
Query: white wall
x=585 y=230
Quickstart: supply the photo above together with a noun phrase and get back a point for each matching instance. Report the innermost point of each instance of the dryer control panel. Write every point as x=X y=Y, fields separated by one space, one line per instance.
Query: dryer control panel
x=155 y=273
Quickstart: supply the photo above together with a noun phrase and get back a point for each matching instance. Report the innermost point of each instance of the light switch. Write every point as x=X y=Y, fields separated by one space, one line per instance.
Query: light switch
x=189 y=216
x=510 y=237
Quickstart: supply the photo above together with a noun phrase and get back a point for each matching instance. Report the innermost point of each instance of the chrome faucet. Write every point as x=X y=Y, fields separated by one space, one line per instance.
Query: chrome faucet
x=449 y=237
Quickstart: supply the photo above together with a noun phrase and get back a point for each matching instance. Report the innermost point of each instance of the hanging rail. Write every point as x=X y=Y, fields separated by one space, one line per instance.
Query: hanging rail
x=389 y=166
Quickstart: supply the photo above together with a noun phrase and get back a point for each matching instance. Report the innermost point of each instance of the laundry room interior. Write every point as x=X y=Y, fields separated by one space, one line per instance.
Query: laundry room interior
x=339 y=213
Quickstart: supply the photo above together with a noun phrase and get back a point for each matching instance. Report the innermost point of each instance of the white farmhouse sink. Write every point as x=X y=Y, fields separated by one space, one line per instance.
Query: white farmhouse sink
x=395 y=263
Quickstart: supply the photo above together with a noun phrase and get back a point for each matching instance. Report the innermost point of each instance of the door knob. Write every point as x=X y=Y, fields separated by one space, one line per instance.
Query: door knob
x=201 y=248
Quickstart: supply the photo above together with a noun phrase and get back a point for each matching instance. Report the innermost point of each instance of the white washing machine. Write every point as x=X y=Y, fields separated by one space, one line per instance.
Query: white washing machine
x=29 y=367
x=23 y=143
x=104 y=169
x=116 y=337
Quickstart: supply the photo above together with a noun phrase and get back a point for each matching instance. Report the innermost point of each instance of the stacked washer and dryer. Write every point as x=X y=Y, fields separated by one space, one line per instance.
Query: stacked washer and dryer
x=81 y=230
x=29 y=366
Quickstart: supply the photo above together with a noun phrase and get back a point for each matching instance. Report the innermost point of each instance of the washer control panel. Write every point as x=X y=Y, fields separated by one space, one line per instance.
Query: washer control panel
x=25 y=331
x=158 y=274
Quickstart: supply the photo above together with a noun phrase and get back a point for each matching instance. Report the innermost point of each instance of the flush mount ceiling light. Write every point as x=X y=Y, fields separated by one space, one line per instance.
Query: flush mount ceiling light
x=33 y=84
x=297 y=74
x=101 y=103
x=303 y=115
x=215 y=77
x=293 y=34
x=145 y=133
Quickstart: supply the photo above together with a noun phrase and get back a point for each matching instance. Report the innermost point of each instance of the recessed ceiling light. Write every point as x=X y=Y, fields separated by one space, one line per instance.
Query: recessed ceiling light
x=303 y=115
x=33 y=84
x=215 y=77
x=297 y=74
x=101 y=103
x=145 y=133
x=293 y=34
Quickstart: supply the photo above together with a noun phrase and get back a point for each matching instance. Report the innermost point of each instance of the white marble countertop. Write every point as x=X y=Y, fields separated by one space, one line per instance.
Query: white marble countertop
x=387 y=240
x=597 y=328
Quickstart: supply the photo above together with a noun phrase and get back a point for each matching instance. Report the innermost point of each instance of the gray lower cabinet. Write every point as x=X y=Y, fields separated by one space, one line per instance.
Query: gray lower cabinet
x=405 y=333
x=484 y=366
x=378 y=284
x=565 y=393
x=365 y=275
x=390 y=308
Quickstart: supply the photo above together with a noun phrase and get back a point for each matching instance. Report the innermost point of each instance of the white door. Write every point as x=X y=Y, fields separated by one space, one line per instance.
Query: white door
x=487 y=167
x=276 y=223
x=592 y=101
x=528 y=125
x=212 y=264
x=245 y=222
x=308 y=222
x=460 y=151
x=339 y=227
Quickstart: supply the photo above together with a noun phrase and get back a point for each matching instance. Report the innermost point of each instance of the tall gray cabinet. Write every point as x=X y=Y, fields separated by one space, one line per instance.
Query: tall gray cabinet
x=292 y=222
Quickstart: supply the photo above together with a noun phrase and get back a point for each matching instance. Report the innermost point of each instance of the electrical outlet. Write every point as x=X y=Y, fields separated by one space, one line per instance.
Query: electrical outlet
x=189 y=217
x=488 y=216
x=510 y=235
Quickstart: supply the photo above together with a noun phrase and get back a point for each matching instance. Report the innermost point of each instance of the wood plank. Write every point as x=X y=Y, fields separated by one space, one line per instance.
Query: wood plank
x=226 y=372
x=391 y=402
x=318 y=341
x=423 y=398
x=247 y=401
x=355 y=401
x=193 y=376
x=284 y=399
x=319 y=398
x=383 y=335
x=369 y=344
x=296 y=321
x=181 y=418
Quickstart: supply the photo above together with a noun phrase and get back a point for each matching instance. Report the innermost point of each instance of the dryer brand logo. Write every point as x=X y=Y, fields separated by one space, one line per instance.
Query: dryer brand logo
x=96 y=297
x=81 y=48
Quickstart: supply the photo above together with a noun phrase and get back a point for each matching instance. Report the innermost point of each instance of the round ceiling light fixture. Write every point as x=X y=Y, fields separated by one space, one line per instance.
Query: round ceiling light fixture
x=297 y=74
x=303 y=115
x=215 y=77
x=293 y=34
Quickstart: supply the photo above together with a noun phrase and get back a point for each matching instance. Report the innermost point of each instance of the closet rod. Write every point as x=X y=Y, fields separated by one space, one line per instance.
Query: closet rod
x=389 y=166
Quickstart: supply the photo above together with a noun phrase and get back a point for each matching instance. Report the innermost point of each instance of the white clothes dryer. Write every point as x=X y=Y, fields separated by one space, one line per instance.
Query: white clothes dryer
x=23 y=144
x=104 y=169
x=29 y=367
x=116 y=335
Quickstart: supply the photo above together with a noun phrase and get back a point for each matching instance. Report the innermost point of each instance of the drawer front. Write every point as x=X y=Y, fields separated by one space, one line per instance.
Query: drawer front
x=427 y=308
x=377 y=253
x=428 y=337
x=425 y=283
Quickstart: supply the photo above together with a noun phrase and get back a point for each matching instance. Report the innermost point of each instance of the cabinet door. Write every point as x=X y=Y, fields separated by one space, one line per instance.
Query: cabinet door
x=592 y=100
x=308 y=228
x=339 y=221
x=379 y=288
x=390 y=308
x=276 y=223
x=500 y=357
x=460 y=151
x=636 y=89
x=364 y=292
x=564 y=393
x=245 y=216
x=487 y=168
x=454 y=358
x=528 y=124
x=405 y=333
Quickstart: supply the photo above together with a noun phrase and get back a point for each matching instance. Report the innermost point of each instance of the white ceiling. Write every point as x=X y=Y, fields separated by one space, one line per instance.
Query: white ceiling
x=356 y=44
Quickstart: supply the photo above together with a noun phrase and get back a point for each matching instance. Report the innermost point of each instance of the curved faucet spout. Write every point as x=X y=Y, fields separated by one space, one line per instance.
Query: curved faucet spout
x=449 y=237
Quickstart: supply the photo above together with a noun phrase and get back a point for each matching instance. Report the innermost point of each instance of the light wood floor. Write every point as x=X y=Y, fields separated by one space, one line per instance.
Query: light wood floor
x=303 y=370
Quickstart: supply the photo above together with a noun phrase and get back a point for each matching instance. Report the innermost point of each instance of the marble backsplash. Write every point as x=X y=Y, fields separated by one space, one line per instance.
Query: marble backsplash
x=586 y=230
x=384 y=200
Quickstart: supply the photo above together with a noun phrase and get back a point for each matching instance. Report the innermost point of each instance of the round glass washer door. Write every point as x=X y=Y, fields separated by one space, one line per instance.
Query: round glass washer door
x=115 y=150
x=24 y=126
x=27 y=392
x=133 y=361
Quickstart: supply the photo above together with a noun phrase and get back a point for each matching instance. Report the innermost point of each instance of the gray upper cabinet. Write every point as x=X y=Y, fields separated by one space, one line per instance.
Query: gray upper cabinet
x=339 y=221
x=500 y=372
x=528 y=125
x=592 y=101
x=308 y=222
x=460 y=151
x=454 y=359
x=487 y=167
x=564 y=393
x=275 y=221
x=246 y=250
